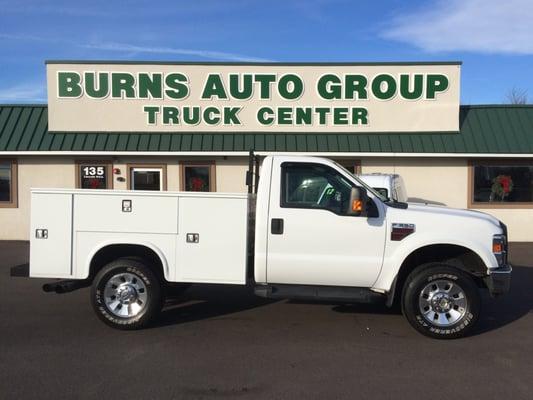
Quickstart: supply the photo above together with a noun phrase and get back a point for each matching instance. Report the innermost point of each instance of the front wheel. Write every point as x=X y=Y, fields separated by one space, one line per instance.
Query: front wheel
x=441 y=301
x=126 y=294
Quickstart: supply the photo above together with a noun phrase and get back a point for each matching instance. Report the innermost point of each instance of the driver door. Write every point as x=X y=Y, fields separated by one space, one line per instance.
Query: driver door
x=312 y=240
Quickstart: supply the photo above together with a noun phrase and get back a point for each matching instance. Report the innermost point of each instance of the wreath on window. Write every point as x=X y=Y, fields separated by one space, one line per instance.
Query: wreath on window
x=502 y=185
x=197 y=184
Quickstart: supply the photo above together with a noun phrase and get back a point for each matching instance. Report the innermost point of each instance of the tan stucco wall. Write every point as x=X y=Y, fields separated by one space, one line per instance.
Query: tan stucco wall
x=430 y=180
x=231 y=175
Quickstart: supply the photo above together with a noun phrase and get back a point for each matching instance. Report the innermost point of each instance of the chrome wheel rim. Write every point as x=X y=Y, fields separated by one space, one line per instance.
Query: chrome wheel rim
x=125 y=295
x=442 y=303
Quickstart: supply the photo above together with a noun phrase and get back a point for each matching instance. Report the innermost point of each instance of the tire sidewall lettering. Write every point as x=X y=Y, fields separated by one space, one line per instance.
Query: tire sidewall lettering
x=427 y=274
x=99 y=297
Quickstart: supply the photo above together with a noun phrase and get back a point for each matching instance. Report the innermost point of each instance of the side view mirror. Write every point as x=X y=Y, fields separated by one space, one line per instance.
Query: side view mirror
x=358 y=201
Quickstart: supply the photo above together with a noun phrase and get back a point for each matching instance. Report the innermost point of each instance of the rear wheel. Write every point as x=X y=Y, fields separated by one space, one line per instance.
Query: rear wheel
x=126 y=294
x=441 y=301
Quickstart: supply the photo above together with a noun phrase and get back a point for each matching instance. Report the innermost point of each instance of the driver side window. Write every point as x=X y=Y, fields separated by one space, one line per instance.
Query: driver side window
x=317 y=186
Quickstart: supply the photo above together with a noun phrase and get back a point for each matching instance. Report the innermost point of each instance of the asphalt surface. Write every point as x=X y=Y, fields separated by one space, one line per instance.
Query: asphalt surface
x=222 y=342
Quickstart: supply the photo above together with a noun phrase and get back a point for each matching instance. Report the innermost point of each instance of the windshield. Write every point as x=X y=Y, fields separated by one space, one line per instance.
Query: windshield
x=363 y=184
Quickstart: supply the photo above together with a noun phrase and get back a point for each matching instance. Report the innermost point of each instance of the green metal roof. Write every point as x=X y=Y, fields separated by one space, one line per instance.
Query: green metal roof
x=486 y=129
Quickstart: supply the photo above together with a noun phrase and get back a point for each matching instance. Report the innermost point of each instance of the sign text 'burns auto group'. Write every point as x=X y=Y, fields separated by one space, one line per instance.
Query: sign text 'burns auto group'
x=336 y=99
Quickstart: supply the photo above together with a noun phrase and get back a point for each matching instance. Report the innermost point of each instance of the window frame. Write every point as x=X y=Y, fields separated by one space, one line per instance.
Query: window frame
x=162 y=167
x=201 y=163
x=494 y=162
x=282 y=202
x=108 y=164
x=13 y=194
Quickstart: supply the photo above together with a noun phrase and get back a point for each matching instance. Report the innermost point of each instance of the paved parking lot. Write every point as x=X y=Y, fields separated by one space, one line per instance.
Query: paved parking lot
x=220 y=341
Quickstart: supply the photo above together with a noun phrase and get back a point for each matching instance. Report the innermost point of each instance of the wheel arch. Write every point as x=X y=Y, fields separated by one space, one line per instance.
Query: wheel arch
x=110 y=251
x=458 y=256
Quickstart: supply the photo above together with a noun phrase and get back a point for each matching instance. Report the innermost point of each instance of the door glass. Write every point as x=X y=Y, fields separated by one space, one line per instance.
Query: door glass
x=146 y=179
x=382 y=191
x=314 y=186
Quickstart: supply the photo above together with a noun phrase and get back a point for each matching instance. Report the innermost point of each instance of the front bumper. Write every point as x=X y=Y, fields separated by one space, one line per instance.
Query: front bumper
x=498 y=280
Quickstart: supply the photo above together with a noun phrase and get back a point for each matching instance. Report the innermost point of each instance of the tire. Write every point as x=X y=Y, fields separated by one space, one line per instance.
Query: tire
x=126 y=294
x=441 y=301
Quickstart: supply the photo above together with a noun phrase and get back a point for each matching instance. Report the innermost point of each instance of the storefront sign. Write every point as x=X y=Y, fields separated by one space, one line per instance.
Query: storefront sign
x=328 y=98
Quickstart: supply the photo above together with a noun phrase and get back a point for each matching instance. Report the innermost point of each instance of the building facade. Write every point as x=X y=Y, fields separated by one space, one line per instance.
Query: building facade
x=486 y=166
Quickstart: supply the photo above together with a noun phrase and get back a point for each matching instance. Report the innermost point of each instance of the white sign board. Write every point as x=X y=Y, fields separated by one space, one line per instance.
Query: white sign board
x=266 y=98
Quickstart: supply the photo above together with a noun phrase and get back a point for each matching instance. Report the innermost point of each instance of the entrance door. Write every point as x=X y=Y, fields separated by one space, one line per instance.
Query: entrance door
x=312 y=240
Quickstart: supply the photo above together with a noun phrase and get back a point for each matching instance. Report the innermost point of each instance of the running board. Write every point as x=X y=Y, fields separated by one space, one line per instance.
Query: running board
x=325 y=293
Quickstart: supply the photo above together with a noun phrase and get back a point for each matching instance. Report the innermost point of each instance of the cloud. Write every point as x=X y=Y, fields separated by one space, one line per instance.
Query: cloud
x=42 y=8
x=25 y=93
x=129 y=48
x=31 y=38
x=483 y=26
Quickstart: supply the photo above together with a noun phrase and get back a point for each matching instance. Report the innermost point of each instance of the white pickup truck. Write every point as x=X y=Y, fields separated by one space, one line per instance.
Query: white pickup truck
x=387 y=185
x=338 y=241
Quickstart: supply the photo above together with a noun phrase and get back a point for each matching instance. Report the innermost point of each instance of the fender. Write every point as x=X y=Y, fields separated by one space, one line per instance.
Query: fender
x=395 y=257
x=107 y=243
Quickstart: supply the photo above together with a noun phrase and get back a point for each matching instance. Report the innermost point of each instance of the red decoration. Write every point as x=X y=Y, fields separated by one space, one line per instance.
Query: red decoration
x=502 y=185
x=197 y=184
x=94 y=184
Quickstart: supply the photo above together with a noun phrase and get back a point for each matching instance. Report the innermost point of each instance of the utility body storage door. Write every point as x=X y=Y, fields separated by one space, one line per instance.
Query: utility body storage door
x=51 y=235
x=310 y=241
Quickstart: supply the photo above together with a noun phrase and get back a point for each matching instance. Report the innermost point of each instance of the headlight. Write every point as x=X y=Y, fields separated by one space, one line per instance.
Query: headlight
x=499 y=249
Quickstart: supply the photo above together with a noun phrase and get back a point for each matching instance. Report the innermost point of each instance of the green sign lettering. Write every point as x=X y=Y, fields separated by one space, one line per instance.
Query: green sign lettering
x=265 y=80
x=230 y=115
x=212 y=116
x=68 y=84
x=247 y=86
x=405 y=84
x=436 y=83
x=97 y=90
x=150 y=86
x=329 y=87
x=265 y=116
x=214 y=87
x=176 y=86
x=290 y=87
x=122 y=85
x=384 y=87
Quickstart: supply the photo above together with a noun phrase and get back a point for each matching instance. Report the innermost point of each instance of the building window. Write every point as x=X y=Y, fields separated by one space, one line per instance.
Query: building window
x=94 y=175
x=198 y=176
x=147 y=177
x=353 y=166
x=502 y=184
x=8 y=183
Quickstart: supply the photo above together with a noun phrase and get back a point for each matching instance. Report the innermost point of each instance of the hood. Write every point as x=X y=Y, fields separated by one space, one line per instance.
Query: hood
x=453 y=212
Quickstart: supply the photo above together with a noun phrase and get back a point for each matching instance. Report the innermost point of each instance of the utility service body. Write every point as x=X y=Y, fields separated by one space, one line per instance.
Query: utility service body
x=244 y=88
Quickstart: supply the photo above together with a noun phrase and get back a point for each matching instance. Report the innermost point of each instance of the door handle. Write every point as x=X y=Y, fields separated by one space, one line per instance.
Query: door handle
x=276 y=226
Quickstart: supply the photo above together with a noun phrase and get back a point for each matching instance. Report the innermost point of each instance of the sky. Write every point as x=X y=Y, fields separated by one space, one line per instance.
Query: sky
x=493 y=38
